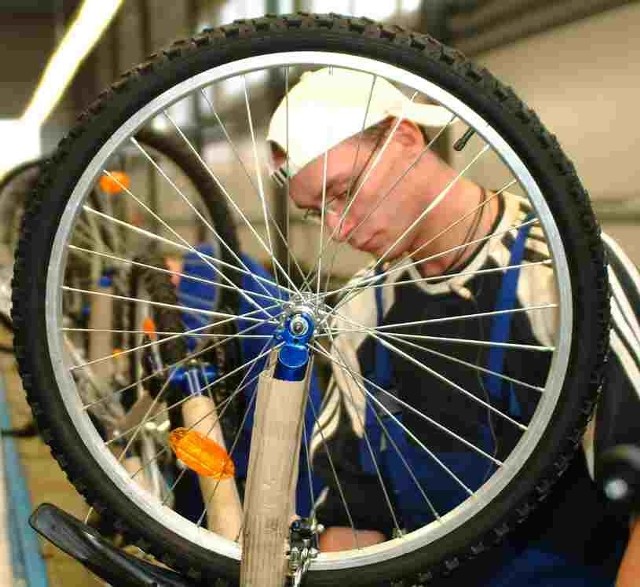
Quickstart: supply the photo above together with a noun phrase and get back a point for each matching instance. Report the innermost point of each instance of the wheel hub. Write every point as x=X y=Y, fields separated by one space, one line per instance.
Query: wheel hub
x=295 y=333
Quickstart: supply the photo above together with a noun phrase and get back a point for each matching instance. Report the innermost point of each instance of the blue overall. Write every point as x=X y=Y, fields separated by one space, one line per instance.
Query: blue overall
x=530 y=562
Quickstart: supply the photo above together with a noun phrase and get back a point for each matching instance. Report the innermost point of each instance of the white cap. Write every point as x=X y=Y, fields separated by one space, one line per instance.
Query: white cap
x=328 y=106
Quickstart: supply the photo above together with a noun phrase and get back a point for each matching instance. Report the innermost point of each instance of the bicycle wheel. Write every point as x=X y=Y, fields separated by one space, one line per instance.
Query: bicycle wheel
x=497 y=140
x=112 y=394
x=13 y=189
x=180 y=164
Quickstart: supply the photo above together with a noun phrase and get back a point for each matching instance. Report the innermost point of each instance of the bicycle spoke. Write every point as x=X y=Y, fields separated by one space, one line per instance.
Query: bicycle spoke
x=189 y=249
x=469 y=341
x=431 y=421
x=373 y=458
x=312 y=499
x=153 y=343
x=184 y=399
x=258 y=171
x=222 y=407
x=235 y=206
x=196 y=211
x=447 y=381
x=145 y=419
x=465 y=363
x=368 y=173
x=399 y=423
x=113 y=409
x=212 y=313
x=404 y=266
x=437 y=278
x=228 y=318
x=444 y=379
x=390 y=439
x=229 y=454
x=444 y=231
x=182 y=361
x=288 y=185
x=161 y=333
x=444 y=356
x=335 y=475
x=175 y=273
x=237 y=436
x=439 y=198
x=325 y=162
x=384 y=197
x=236 y=153
x=447 y=318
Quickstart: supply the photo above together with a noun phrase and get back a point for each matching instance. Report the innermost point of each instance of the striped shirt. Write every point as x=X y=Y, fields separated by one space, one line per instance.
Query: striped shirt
x=437 y=378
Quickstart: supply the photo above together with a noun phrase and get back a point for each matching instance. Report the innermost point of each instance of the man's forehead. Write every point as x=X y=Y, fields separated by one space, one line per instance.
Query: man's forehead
x=311 y=178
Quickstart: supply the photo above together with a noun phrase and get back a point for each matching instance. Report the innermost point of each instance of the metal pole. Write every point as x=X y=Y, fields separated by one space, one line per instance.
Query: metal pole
x=146 y=40
x=192 y=14
x=280 y=203
x=434 y=21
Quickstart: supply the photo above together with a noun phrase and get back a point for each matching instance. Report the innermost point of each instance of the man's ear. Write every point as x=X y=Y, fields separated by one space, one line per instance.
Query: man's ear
x=409 y=134
x=278 y=155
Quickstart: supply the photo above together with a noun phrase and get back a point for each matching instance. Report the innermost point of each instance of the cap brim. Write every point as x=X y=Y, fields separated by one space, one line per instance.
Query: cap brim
x=428 y=115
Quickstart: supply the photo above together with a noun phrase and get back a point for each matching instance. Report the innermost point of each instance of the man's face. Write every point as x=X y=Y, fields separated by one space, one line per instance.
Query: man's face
x=379 y=213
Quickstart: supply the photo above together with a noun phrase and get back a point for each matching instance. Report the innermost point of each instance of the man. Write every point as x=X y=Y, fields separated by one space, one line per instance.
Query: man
x=406 y=201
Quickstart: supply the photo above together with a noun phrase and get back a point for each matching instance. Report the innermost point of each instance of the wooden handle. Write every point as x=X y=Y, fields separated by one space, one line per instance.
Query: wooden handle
x=224 y=510
x=271 y=479
x=138 y=412
x=100 y=343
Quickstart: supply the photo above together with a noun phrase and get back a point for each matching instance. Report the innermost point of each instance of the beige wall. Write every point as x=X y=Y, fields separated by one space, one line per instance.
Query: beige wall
x=583 y=80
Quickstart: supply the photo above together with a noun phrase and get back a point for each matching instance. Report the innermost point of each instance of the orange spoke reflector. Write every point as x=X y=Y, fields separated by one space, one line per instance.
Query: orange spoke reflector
x=149 y=327
x=201 y=454
x=115 y=183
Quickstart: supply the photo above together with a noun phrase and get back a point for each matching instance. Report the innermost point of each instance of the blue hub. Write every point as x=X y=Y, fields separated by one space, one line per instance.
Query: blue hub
x=293 y=357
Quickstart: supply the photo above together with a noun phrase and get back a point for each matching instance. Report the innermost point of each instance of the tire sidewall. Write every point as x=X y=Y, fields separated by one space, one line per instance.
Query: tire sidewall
x=562 y=191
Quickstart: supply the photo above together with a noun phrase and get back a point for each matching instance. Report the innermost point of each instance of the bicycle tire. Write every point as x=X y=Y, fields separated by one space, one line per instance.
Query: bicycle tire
x=427 y=57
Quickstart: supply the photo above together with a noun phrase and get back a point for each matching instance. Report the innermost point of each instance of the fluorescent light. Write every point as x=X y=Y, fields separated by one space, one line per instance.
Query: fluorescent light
x=410 y=5
x=20 y=142
x=92 y=19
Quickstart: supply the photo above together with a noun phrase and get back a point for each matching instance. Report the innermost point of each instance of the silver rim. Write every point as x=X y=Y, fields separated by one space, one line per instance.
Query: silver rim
x=392 y=548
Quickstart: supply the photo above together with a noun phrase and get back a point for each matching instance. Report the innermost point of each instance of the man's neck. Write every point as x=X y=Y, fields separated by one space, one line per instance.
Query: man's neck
x=461 y=212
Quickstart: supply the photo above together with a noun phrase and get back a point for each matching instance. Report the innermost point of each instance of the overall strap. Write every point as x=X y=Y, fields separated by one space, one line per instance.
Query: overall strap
x=386 y=444
x=393 y=469
x=382 y=375
x=501 y=324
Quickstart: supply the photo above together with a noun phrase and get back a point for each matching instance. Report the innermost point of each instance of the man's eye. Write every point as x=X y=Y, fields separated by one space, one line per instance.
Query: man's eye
x=316 y=213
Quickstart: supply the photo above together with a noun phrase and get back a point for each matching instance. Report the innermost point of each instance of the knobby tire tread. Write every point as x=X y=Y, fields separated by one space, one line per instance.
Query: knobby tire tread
x=319 y=32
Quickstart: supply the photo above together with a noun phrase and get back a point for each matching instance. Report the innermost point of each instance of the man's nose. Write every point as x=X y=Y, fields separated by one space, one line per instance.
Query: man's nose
x=339 y=226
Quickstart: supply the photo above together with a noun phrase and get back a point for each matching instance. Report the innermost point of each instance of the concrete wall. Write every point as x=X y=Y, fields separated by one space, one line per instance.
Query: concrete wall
x=582 y=79
x=25 y=44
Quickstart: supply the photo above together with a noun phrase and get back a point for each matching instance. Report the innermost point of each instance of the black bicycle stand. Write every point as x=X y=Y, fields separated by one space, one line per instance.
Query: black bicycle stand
x=89 y=548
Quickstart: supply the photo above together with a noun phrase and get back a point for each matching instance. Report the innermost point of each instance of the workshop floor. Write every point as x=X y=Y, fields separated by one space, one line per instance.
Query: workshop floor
x=45 y=480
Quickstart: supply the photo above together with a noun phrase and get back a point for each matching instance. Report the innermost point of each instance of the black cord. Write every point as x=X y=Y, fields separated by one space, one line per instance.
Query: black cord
x=471 y=232
x=29 y=430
